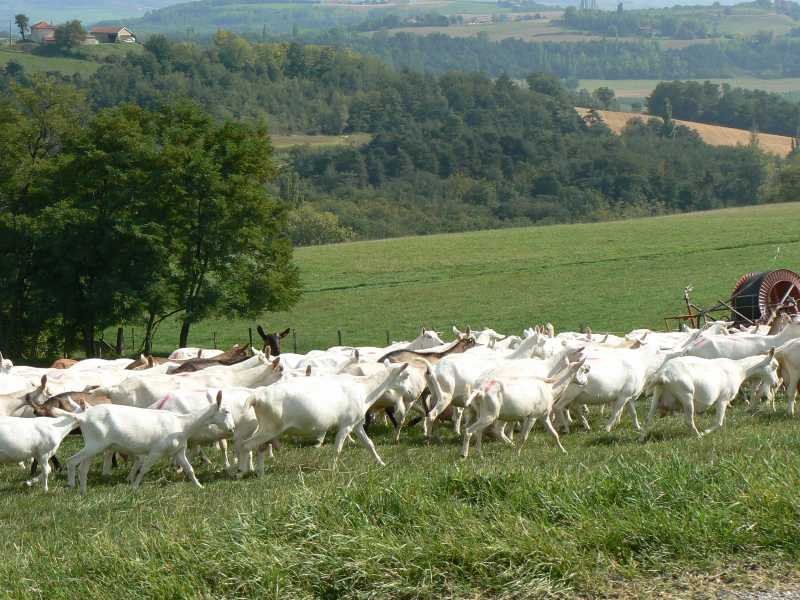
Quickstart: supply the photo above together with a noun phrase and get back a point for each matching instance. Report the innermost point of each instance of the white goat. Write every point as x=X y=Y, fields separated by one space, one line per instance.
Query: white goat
x=22 y=439
x=696 y=384
x=151 y=434
x=310 y=406
x=520 y=398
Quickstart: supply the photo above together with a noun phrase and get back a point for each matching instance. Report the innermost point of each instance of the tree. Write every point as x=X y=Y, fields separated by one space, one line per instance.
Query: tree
x=69 y=35
x=22 y=23
x=668 y=125
x=227 y=236
x=786 y=186
x=604 y=95
x=35 y=121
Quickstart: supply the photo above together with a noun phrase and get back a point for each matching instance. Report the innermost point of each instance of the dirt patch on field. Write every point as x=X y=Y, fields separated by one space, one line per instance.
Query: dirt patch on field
x=714 y=135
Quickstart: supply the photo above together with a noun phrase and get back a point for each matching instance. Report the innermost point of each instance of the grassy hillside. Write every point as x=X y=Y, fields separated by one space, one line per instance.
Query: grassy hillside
x=613 y=276
x=38 y=64
x=715 y=135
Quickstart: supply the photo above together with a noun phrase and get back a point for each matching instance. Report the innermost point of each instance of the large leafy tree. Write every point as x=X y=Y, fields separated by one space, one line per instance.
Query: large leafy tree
x=229 y=249
x=69 y=35
x=35 y=122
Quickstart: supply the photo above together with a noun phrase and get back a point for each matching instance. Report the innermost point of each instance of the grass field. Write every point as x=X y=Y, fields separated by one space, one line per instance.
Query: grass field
x=676 y=517
x=613 y=276
x=39 y=64
x=711 y=134
x=282 y=142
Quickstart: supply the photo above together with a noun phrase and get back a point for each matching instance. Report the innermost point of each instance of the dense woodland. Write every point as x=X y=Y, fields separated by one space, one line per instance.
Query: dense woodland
x=723 y=105
x=663 y=22
x=762 y=56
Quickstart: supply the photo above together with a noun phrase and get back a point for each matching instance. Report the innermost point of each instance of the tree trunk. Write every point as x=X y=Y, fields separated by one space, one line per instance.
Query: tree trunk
x=88 y=340
x=184 y=341
x=147 y=344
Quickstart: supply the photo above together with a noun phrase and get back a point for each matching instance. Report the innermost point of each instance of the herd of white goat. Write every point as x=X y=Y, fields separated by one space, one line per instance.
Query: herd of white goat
x=145 y=412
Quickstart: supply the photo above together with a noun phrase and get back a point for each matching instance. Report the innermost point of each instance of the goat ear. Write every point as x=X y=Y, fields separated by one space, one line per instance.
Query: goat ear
x=456 y=332
x=285 y=332
x=276 y=363
x=267 y=351
x=200 y=353
x=468 y=331
x=44 y=381
x=219 y=398
x=261 y=332
x=422 y=330
x=150 y=362
x=308 y=371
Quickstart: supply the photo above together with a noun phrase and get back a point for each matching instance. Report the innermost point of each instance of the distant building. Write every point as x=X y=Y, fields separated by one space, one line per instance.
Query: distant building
x=112 y=35
x=43 y=33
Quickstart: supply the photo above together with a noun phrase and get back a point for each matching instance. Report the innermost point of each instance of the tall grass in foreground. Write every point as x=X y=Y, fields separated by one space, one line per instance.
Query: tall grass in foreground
x=612 y=518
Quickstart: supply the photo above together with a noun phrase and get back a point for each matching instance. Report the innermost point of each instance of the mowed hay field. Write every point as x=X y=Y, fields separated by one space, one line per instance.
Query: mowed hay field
x=675 y=517
x=714 y=135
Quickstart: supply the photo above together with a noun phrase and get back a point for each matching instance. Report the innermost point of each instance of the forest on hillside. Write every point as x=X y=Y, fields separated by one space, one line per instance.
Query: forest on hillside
x=448 y=152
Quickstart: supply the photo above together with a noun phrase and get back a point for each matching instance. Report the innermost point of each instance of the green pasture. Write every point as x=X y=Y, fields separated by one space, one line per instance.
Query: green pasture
x=612 y=276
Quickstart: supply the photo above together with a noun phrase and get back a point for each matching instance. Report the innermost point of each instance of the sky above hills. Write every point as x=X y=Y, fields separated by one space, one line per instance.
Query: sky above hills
x=87 y=11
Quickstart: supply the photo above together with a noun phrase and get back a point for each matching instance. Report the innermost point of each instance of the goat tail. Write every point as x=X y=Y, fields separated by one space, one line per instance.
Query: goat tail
x=99 y=391
x=651 y=382
x=473 y=396
x=428 y=365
